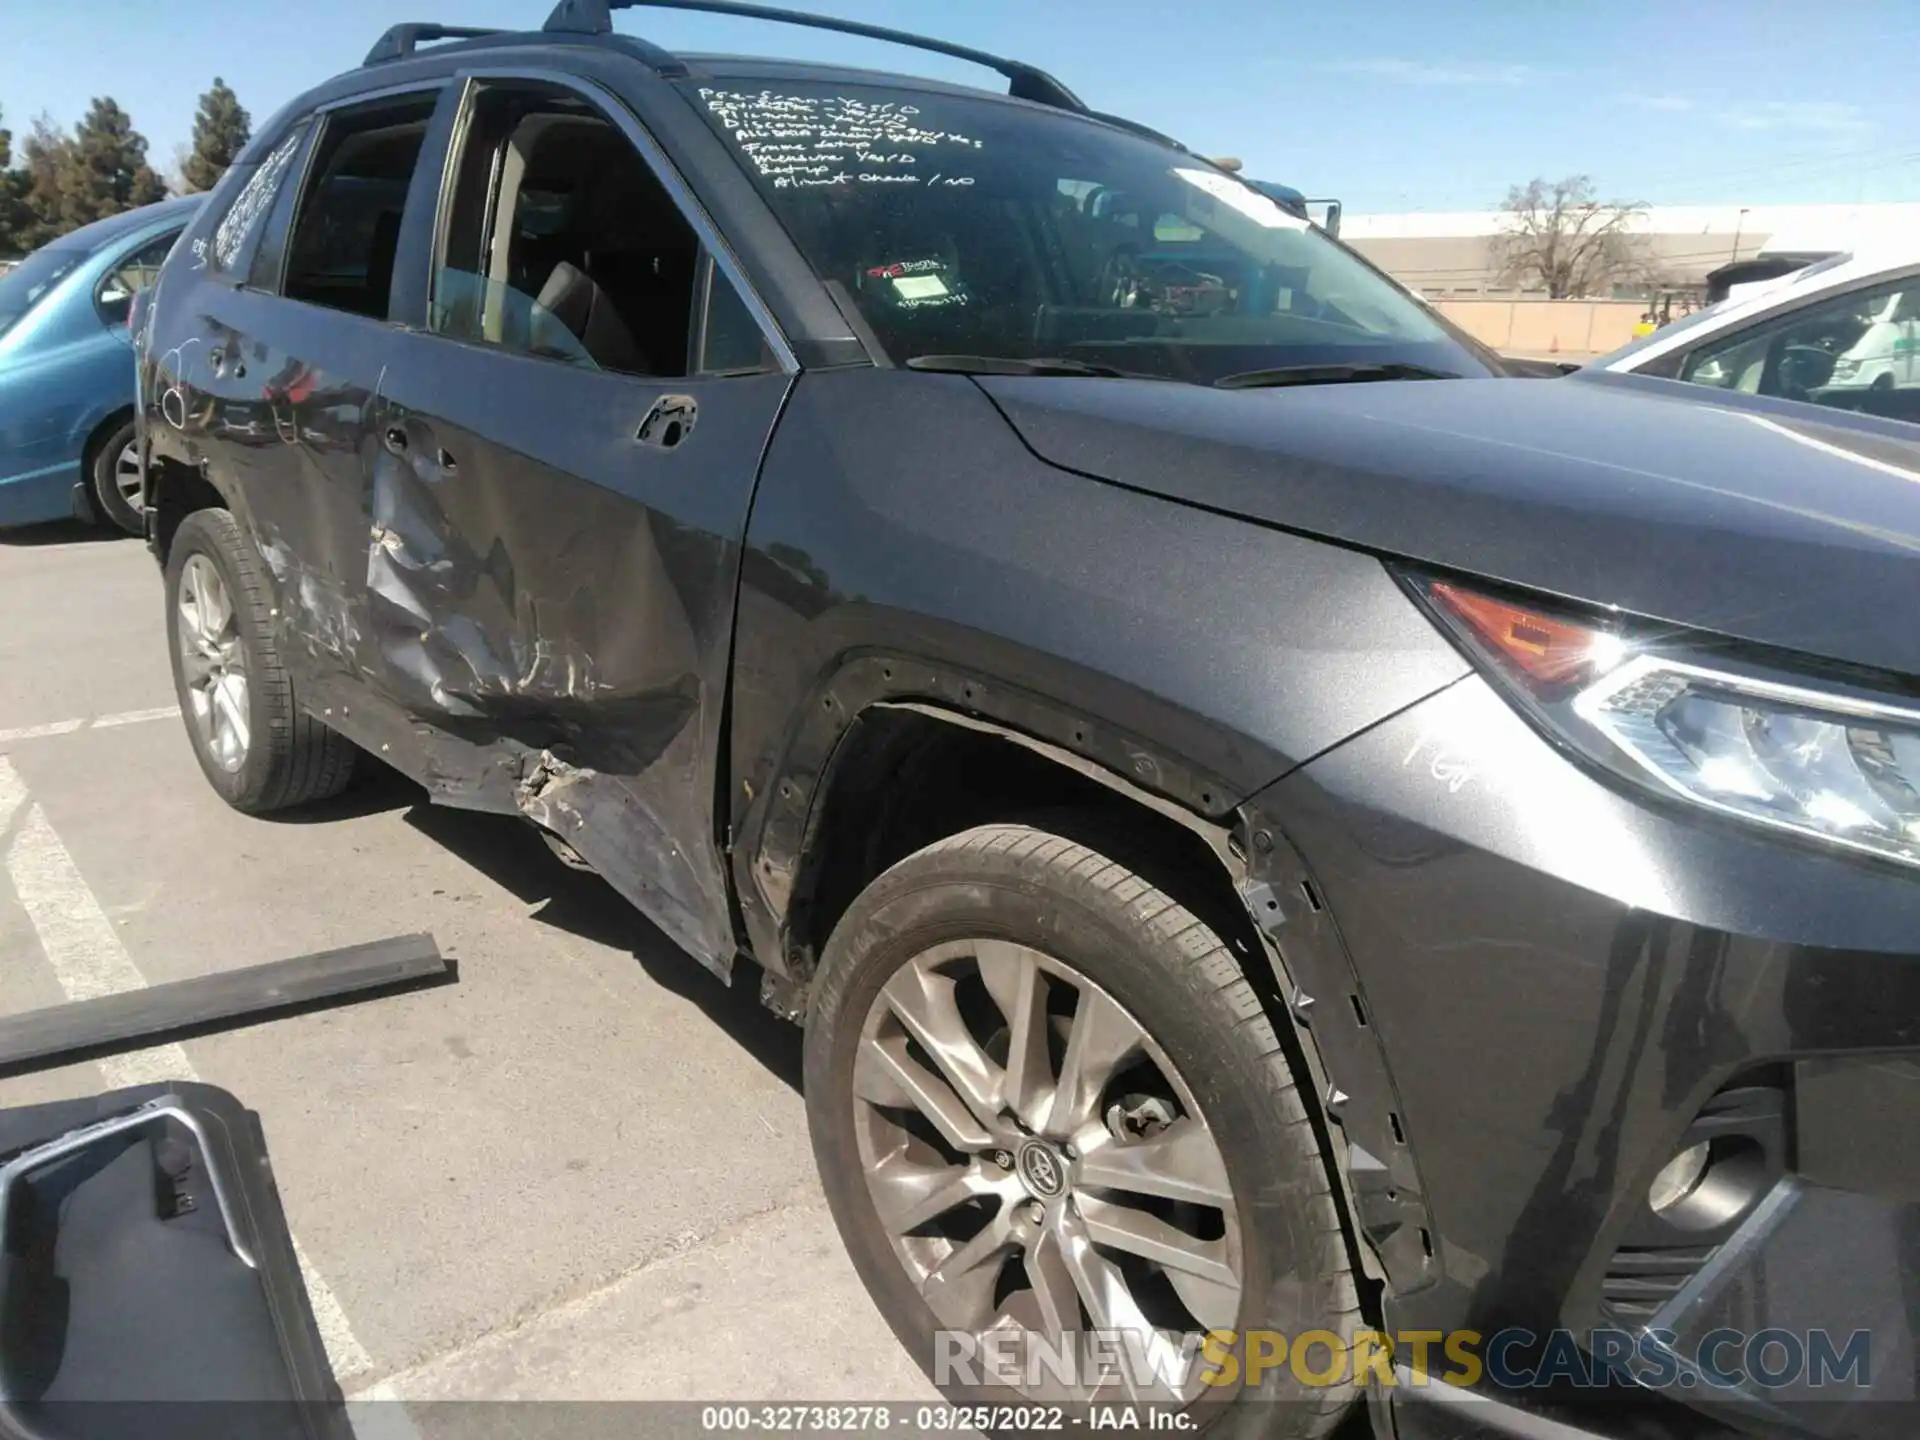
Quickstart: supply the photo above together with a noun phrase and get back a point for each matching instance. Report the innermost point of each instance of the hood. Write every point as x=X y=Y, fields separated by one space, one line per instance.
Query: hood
x=1751 y=521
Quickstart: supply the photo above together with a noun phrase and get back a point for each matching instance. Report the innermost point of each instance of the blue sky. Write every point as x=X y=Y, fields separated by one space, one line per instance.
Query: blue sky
x=1388 y=105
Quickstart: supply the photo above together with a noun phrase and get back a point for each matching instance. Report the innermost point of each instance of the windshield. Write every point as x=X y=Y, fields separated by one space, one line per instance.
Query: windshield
x=24 y=286
x=964 y=226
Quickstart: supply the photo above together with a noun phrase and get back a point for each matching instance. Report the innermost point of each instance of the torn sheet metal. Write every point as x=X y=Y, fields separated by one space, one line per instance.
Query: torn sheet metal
x=607 y=824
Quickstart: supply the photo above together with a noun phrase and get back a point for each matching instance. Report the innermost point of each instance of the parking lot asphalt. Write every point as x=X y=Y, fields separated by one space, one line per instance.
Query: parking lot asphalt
x=581 y=1172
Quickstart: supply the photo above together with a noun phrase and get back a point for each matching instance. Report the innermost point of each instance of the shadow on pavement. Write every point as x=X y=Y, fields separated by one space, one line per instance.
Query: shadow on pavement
x=376 y=787
x=62 y=532
x=511 y=852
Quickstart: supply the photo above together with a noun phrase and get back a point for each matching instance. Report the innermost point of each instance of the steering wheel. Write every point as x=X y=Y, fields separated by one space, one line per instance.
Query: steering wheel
x=1803 y=369
x=1119 y=282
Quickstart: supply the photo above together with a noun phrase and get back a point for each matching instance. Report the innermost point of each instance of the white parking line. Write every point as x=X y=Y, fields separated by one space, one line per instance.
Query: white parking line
x=136 y=717
x=100 y=722
x=40 y=732
x=89 y=960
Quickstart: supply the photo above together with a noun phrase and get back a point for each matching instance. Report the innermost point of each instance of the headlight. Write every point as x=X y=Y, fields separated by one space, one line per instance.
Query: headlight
x=1845 y=368
x=1792 y=753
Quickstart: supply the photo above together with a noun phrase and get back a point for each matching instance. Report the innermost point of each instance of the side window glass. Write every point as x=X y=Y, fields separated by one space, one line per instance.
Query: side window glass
x=130 y=277
x=269 y=256
x=240 y=226
x=560 y=242
x=346 y=231
x=731 y=342
x=1857 y=352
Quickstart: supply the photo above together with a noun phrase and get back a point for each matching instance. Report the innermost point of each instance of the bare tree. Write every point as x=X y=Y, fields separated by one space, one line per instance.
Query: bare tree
x=1557 y=237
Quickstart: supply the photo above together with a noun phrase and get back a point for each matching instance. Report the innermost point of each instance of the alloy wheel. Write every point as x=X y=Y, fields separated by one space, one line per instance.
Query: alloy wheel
x=1040 y=1167
x=213 y=662
x=126 y=477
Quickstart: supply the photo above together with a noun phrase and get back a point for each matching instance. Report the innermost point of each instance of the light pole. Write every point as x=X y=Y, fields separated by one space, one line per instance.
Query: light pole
x=1738 y=225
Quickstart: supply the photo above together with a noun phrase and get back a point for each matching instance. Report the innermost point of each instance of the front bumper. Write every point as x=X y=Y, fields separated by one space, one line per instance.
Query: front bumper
x=1553 y=986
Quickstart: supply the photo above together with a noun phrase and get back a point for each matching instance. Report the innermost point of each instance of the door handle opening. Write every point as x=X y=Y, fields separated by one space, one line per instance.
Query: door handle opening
x=669 y=422
x=396 y=439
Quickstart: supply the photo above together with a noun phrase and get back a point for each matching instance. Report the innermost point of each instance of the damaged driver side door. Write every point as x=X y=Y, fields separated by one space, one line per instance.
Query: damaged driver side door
x=570 y=435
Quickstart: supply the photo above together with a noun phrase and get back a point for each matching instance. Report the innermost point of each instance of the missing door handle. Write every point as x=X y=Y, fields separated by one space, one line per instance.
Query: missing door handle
x=669 y=422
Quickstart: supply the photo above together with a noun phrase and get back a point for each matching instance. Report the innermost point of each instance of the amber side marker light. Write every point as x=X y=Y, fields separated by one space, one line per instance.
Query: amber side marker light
x=1544 y=649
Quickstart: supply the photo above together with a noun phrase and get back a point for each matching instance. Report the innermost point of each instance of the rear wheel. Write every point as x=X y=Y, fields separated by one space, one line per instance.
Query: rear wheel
x=255 y=745
x=1046 y=1102
x=115 y=474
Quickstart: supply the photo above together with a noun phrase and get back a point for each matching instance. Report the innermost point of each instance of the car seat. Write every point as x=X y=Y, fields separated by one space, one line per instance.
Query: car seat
x=571 y=297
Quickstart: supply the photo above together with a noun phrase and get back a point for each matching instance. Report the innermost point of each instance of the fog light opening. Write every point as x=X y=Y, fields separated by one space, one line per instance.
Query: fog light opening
x=1710 y=1183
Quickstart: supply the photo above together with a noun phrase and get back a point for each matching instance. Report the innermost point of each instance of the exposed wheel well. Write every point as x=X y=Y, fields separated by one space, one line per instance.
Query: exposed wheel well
x=902 y=779
x=176 y=491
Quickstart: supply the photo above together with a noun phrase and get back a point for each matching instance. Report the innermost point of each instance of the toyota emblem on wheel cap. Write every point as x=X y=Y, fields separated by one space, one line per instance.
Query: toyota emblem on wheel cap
x=1046 y=1177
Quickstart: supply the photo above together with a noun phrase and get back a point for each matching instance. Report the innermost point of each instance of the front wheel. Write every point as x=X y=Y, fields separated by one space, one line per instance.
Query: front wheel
x=255 y=745
x=1046 y=1104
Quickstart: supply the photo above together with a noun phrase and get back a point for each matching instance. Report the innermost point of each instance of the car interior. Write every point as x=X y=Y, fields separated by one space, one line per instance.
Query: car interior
x=348 y=230
x=1850 y=352
x=562 y=243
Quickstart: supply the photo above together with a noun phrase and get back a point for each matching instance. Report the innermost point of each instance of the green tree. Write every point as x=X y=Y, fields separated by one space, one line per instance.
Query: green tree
x=221 y=130
x=99 y=170
x=13 y=210
x=38 y=184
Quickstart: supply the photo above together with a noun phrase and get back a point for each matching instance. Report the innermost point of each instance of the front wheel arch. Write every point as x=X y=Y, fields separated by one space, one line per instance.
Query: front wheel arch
x=867 y=807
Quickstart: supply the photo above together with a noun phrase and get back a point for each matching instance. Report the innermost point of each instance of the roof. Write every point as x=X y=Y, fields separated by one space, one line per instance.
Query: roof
x=770 y=67
x=105 y=232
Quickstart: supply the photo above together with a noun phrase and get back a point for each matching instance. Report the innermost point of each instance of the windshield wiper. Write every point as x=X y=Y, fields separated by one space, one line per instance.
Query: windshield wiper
x=1009 y=365
x=1327 y=375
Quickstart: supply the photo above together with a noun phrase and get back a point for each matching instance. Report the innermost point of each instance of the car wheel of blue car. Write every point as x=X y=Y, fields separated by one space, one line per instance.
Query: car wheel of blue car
x=115 y=473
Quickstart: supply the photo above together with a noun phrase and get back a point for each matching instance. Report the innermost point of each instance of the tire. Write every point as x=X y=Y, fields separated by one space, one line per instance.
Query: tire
x=287 y=757
x=105 y=473
x=1152 y=957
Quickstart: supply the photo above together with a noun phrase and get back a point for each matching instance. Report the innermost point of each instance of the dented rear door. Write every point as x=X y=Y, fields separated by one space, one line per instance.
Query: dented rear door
x=552 y=573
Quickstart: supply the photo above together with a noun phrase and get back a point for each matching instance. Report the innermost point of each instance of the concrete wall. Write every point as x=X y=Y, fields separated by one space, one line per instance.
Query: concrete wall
x=1546 y=327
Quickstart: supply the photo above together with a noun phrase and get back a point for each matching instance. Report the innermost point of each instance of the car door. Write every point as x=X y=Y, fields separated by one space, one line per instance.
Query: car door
x=273 y=378
x=151 y=1288
x=569 y=437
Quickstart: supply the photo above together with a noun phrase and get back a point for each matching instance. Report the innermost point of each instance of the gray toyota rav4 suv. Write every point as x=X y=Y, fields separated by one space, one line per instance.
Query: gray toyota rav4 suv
x=1326 y=884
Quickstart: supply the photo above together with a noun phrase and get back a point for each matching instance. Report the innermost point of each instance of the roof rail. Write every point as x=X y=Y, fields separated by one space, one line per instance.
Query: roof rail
x=402 y=40
x=1026 y=82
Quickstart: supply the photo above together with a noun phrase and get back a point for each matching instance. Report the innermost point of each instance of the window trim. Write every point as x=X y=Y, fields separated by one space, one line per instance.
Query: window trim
x=705 y=273
x=620 y=115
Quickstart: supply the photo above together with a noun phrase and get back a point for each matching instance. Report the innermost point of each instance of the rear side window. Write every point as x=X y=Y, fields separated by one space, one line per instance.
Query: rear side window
x=241 y=223
x=132 y=275
x=346 y=231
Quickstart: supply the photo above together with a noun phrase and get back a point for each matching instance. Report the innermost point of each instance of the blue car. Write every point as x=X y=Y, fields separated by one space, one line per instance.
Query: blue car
x=67 y=372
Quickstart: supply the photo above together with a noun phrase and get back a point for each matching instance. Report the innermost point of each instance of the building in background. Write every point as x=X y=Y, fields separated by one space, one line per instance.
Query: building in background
x=1449 y=255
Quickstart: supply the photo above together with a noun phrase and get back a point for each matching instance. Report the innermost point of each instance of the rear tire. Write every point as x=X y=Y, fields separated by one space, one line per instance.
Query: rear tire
x=255 y=745
x=1098 y=927
x=107 y=470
